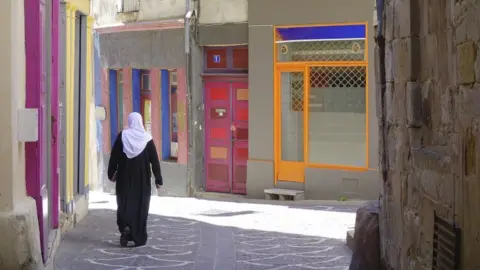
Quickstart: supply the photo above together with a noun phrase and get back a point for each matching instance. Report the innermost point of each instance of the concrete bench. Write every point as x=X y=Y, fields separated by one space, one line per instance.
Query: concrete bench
x=284 y=194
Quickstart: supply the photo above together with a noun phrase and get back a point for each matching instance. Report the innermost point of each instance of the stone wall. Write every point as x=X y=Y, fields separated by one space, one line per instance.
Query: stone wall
x=432 y=128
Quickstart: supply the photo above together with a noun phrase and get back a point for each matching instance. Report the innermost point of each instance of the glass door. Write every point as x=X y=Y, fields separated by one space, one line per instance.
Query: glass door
x=290 y=99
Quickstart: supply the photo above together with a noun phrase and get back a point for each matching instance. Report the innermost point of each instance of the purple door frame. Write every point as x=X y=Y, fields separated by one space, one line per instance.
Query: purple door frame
x=55 y=112
x=37 y=168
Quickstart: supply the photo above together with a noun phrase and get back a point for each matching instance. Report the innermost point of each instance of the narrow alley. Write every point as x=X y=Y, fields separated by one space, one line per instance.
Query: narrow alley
x=344 y=133
x=188 y=233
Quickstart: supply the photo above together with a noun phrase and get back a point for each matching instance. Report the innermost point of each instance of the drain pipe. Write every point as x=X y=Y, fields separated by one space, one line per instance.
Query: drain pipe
x=380 y=40
x=189 y=109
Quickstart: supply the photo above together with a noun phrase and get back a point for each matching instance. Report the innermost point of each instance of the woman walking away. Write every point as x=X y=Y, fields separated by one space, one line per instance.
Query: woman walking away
x=129 y=166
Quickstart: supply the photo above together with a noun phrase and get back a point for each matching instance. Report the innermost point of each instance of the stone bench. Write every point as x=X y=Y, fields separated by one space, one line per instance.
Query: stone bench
x=284 y=194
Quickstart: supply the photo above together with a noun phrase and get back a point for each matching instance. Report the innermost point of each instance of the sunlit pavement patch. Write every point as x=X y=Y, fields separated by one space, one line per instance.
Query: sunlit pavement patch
x=186 y=233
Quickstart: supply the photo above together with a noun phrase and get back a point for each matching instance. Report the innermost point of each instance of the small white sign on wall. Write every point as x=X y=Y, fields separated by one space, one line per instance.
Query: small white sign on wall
x=100 y=113
x=27 y=125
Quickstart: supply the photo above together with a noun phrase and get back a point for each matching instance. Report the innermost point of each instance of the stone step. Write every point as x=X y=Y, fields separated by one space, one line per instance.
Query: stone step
x=284 y=194
x=351 y=240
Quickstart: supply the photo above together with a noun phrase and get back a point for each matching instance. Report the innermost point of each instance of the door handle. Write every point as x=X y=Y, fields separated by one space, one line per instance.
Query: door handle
x=53 y=120
x=233 y=128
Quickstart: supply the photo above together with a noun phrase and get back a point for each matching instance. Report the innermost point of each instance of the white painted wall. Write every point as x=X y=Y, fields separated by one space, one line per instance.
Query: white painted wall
x=104 y=12
x=223 y=11
x=154 y=10
x=12 y=90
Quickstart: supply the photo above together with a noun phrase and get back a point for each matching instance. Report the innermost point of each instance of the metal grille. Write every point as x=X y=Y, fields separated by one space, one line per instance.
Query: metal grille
x=296 y=98
x=328 y=76
x=331 y=50
x=446 y=245
x=130 y=5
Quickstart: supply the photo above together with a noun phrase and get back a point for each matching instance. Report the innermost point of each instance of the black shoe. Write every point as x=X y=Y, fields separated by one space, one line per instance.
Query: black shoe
x=125 y=236
x=139 y=244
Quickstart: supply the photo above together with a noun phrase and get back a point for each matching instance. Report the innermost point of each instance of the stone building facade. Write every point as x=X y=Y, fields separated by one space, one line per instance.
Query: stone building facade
x=431 y=129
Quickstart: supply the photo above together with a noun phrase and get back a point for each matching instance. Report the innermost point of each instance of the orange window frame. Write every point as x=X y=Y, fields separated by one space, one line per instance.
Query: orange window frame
x=297 y=169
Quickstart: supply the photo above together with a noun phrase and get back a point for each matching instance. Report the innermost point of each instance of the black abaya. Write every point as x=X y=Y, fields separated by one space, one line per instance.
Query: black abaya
x=133 y=188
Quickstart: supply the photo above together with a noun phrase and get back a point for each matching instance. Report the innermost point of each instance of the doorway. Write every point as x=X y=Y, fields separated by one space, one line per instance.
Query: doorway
x=226 y=136
x=79 y=104
x=41 y=93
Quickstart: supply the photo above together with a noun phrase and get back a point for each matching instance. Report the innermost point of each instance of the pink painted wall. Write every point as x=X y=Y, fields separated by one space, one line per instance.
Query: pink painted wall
x=182 y=116
x=156 y=109
x=106 y=103
x=127 y=95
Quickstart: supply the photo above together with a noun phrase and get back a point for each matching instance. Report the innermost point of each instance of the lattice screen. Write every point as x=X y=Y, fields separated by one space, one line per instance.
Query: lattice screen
x=296 y=98
x=331 y=76
x=331 y=50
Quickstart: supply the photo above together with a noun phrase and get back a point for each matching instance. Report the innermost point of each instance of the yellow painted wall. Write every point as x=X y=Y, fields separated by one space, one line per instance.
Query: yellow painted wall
x=88 y=98
x=70 y=69
x=72 y=8
x=80 y=5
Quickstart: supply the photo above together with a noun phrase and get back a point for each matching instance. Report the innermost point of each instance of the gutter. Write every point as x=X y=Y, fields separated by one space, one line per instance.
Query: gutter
x=139 y=26
x=189 y=105
x=380 y=40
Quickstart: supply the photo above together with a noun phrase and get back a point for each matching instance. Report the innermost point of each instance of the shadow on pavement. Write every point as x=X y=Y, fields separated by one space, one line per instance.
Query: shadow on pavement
x=179 y=243
x=331 y=206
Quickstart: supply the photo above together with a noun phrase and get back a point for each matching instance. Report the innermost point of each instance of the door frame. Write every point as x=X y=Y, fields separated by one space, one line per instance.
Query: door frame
x=288 y=170
x=221 y=78
x=42 y=73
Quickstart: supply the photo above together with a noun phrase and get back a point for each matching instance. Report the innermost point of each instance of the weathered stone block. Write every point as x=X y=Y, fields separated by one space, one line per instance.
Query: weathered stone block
x=415 y=138
x=436 y=15
x=446 y=105
x=402 y=19
x=477 y=64
x=466 y=61
x=422 y=18
x=389 y=21
x=468 y=100
x=460 y=23
x=473 y=23
x=399 y=103
x=429 y=50
x=402 y=60
x=388 y=103
x=367 y=238
x=414 y=105
x=441 y=59
x=389 y=61
x=378 y=101
x=451 y=57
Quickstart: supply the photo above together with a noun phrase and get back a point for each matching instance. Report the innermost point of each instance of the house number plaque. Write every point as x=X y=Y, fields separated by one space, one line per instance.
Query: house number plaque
x=220 y=111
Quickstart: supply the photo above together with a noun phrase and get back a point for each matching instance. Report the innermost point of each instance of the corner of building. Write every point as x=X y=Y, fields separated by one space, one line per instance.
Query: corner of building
x=20 y=245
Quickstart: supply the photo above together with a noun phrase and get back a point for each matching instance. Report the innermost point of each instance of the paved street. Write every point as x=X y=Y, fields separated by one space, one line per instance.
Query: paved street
x=187 y=233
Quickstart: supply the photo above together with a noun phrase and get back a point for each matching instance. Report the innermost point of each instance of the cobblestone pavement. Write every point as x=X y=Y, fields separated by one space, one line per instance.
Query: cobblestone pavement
x=202 y=235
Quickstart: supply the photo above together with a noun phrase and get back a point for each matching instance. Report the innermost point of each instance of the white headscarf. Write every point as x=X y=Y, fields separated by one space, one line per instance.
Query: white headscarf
x=134 y=138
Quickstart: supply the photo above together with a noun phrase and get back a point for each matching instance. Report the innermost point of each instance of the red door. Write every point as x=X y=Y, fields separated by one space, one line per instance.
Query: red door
x=240 y=136
x=226 y=136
